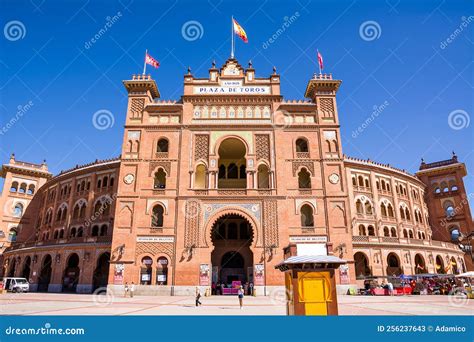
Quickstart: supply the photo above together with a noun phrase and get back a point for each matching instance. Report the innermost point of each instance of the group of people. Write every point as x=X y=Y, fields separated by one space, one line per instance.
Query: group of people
x=240 y=295
x=441 y=286
x=129 y=290
x=218 y=288
x=418 y=285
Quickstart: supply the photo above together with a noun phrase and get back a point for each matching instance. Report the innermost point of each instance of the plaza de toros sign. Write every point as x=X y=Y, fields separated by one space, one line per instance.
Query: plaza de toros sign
x=233 y=87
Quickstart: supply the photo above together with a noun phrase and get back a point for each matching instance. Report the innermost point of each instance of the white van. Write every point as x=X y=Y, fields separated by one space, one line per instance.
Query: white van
x=16 y=284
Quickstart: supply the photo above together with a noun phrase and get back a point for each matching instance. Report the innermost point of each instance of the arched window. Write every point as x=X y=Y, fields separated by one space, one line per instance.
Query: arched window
x=12 y=235
x=354 y=181
x=304 y=179
x=162 y=271
x=95 y=231
x=232 y=171
x=157 y=216
x=83 y=184
x=105 y=181
x=99 y=184
x=410 y=233
x=80 y=232
x=31 y=189
x=306 y=213
x=200 y=177
x=22 y=188
x=14 y=187
x=82 y=212
x=359 y=207
x=455 y=233
x=111 y=181
x=393 y=232
x=73 y=232
x=362 y=231
x=402 y=213
x=449 y=209
x=388 y=187
x=61 y=233
x=160 y=179
x=368 y=208
x=383 y=185
x=405 y=233
x=371 y=230
x=366 y=182
x=437 y=190
x=386 y=232
x=103 y=230
x=360 y=181
x=76 y=210
x=222 y=172
x=377 y=185
x=383 y=209
x=162 y=145
x=390 y=210
x=407 y=214
x=243 y=172
x=146 y=271
x=263 y=177
x=64 y=214
x=18 y=210
x=301 y=145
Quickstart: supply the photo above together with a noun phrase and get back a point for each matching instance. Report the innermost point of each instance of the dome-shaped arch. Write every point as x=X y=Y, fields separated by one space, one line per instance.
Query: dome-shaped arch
x=207 y=236
x=220 y=140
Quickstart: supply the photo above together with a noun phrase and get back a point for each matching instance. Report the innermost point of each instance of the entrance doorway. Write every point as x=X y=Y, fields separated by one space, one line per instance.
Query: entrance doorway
x=45 y=274
x=232 y=258
x=71 y=274
x=101 y=272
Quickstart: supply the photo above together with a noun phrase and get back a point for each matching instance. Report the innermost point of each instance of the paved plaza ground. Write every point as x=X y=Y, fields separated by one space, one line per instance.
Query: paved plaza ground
x=76 y=304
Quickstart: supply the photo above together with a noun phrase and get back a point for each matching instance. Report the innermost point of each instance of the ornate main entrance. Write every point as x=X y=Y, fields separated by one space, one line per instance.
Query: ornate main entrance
x=232 y=257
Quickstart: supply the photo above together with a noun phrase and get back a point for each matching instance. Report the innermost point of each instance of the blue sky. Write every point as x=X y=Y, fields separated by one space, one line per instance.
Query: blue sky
x=393 y=54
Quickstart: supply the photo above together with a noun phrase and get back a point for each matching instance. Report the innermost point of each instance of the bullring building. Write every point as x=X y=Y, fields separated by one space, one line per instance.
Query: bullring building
x=210 y=188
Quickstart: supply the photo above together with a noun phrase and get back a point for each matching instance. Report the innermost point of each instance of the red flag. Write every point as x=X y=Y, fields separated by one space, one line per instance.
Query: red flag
x=151 y=61
x=238 y=30
x=320 y=61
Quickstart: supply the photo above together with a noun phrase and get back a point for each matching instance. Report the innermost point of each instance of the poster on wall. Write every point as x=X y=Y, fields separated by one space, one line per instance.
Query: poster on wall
x=259 y=274
x=204 y=275
x=344 y=274
x=118 y=274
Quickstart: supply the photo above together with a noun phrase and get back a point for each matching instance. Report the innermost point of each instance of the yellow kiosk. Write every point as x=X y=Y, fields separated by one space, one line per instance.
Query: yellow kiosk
x=310 y=283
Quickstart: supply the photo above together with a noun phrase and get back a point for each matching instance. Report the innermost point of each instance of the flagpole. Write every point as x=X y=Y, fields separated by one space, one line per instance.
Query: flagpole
x=144 y=64
x=232 y=38
x=318 y=61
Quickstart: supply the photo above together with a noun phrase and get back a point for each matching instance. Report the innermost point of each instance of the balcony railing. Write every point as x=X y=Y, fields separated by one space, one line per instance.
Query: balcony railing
x=403 y=241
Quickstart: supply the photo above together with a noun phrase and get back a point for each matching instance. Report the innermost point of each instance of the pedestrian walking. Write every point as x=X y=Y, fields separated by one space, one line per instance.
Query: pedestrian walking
x=240 y=293
x=132 y=289
x=198 y=296
x=390 y=288
x=126 y=289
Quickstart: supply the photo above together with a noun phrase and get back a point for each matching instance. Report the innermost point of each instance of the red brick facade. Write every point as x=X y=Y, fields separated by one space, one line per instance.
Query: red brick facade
x=213 y=186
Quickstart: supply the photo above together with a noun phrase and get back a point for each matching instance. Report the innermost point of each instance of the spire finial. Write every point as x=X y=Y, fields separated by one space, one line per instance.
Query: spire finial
x=189 y=70
x=274 y=70
x=214 y=63
x=250 y=63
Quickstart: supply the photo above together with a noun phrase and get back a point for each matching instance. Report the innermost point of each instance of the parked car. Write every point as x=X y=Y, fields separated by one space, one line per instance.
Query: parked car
x=16 y=284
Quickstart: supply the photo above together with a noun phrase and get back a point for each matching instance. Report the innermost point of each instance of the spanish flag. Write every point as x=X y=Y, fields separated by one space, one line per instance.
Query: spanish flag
x=238 y=30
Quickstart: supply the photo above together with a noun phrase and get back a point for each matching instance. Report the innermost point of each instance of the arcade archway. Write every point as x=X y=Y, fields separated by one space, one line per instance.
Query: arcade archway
x=393 y=265
x=232 y=257
x=45 y=274
x=101 y=272
x=361 y=265
x=71 y=274
x=420 y=266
